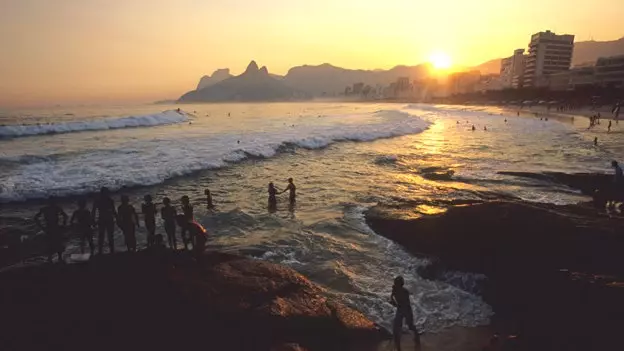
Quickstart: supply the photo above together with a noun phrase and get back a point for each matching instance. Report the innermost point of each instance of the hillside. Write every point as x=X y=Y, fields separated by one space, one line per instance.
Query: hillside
x=327 y=79
x=590 y=51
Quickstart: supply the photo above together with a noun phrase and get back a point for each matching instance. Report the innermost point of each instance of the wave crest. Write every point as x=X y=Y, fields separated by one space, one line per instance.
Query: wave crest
x=163 y=118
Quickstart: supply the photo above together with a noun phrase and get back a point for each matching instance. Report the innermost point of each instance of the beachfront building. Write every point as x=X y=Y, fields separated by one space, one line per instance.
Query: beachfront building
x=512 y=70
x=575 y=78
x=548 y=53
x=610 y=71
x=463 y=82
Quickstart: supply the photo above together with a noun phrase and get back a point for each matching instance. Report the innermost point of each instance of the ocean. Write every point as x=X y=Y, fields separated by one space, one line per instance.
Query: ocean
x=344 y=157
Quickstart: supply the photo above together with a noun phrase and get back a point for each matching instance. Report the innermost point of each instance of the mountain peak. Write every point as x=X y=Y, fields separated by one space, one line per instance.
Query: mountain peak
x=252 y=67
x=264 y=70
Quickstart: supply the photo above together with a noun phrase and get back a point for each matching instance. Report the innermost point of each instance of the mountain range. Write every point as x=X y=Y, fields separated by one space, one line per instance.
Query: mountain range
x=257 y=84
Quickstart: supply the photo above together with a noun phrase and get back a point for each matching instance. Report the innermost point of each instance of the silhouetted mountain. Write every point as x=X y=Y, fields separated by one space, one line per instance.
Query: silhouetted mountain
x=218 y=76
x=489 y=67
x=330 y=79
x=254 y=84
x=590 y=51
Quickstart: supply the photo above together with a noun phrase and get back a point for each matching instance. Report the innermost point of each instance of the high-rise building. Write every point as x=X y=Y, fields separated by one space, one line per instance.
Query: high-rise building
x=610 y=71
x=512 y=70
x=548 y=53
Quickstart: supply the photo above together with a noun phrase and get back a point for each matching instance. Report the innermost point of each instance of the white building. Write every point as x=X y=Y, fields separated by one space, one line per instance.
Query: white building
x=512 y=70
x=548 y=53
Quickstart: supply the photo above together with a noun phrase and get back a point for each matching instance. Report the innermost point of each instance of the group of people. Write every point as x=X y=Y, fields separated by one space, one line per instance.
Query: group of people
x=104 y=216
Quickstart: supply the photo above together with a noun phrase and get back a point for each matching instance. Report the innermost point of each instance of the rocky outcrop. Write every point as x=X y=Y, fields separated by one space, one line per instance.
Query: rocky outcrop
x=254 y=84
x=216 y=77
x=165 y=301
x=554 y=273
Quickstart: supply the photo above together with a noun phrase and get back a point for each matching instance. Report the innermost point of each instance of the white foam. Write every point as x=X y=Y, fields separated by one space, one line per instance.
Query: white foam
x=166 y=117
x=149 y=162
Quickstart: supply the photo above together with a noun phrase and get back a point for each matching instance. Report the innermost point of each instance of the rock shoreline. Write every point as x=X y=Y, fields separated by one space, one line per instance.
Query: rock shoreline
x=554 y=273
x=159 y=300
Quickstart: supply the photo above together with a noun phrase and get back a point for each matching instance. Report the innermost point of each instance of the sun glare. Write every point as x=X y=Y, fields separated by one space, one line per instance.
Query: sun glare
x=440 y=60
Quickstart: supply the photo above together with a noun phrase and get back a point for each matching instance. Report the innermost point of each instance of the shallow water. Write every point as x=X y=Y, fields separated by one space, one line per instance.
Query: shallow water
x=344 y=158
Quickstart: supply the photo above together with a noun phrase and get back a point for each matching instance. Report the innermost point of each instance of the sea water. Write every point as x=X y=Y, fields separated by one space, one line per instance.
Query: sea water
x=344 y=158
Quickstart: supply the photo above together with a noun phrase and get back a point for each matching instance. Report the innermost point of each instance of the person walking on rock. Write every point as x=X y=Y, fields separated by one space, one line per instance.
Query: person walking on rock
x=400 y=298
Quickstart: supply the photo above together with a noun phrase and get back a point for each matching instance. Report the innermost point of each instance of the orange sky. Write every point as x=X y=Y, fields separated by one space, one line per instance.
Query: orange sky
x=103 y=51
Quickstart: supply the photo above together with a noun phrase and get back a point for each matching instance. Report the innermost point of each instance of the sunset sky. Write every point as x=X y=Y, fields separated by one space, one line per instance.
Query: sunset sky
x=103 y=51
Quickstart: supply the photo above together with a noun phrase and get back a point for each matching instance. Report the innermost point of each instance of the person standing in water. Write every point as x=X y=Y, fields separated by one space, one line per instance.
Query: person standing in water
x=197 y=233
x=609 y=127
x=168 y=214
x=127 y=221
x=473 y=128
x=596 y=141
x=272 y=197
x=400 y=298
x=52 y=227
x=84 y=223
x=292 y=189
x=104 y=206
x=209 y=204
x=148 y=208
x=187 y=210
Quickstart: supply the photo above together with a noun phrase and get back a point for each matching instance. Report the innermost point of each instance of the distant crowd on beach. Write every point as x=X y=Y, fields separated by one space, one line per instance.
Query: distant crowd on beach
x=53 y=220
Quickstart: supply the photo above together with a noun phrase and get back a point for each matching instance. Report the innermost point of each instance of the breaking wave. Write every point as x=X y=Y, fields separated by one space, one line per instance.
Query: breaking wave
x=163 y=118
x=150 y=162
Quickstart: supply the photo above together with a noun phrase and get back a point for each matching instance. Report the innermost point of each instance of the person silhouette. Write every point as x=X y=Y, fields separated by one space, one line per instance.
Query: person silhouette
x=293 y=191
x=401 y=300
x=148 y=208
x=104 y=210
x=596 y=141
x=209 y=204
x=127 y=220
x=197 y=233
x=272 y=197
x=473 y=128
x=84 y=225
x=52 y=227
x=609 y=127
x=168 y=213
x=187 y=210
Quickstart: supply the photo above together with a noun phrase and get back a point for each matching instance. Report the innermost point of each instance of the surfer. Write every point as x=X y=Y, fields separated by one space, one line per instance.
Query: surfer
x=168 y=214
x=272 y=197
x=127 y=220
x=609 y=127
x=84 y=225
x=104 y=209
x=293 y=190
x=148 y=208
x=187 y=210
x=52 y=228
x=401 y=300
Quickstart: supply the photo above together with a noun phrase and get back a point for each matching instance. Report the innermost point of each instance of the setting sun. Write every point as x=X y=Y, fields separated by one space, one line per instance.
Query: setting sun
x=440 y=60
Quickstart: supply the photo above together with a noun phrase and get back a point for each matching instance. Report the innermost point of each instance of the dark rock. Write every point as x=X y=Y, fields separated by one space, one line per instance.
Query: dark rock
x=587 y=183
x=164 y=301
x=541 y=262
